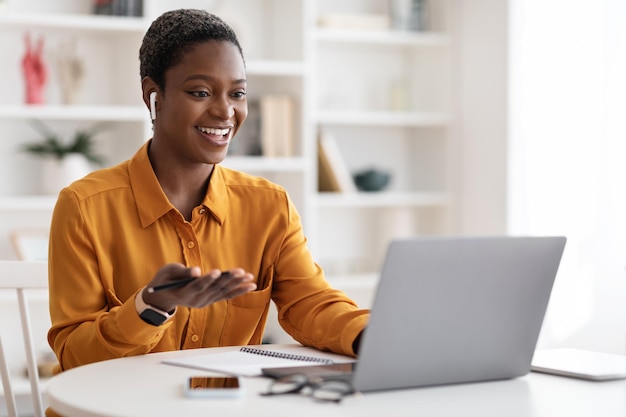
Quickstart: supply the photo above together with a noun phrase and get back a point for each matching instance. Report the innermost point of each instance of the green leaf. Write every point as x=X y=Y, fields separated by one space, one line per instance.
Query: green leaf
x=52 y=146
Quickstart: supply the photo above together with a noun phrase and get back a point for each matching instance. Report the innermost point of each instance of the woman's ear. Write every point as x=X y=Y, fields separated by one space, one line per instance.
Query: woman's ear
x=153 y=96
x=150 y=95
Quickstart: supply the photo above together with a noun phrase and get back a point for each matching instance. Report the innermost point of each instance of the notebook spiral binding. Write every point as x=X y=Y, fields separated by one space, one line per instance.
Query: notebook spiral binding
x=282 y=355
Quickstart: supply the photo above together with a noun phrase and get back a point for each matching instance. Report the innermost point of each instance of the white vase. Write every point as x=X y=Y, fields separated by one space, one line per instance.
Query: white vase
x=59 y=173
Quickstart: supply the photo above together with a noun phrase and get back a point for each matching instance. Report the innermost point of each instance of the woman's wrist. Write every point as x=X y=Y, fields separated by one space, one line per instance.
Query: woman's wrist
x=150 y=313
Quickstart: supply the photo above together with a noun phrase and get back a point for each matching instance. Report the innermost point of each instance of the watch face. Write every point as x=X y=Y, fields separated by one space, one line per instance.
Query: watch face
x=152 y=317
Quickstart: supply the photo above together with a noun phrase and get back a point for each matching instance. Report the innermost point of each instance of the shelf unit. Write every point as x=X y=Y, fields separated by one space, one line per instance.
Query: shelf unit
x=328 y=71
x=108 y=46
x=384 y=96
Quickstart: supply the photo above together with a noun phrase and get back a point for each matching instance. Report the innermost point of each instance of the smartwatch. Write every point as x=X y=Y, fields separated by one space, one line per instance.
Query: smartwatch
x=151 y=314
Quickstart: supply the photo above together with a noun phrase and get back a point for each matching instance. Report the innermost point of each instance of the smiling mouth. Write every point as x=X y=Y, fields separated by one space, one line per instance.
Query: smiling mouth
x=216 y=136
x=213 y=131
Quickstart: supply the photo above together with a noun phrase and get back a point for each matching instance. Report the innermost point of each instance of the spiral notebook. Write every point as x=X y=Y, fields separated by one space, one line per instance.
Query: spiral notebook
x=250 y=360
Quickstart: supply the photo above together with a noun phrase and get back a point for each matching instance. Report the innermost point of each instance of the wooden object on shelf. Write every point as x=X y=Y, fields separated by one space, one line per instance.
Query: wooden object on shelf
x=333 y=173
x=277 y=130
x=70 y=72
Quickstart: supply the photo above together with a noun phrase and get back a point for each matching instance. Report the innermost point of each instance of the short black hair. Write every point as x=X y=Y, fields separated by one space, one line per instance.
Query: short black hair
x=173 y=34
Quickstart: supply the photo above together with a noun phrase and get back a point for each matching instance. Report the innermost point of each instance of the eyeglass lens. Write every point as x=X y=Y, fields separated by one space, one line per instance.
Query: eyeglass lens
x=322 y=390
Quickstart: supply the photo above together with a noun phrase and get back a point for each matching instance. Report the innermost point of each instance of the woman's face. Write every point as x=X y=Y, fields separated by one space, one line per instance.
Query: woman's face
x=204 y=104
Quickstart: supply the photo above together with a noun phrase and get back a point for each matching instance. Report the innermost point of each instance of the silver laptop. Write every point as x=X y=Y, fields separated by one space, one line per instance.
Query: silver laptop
x=455 y=310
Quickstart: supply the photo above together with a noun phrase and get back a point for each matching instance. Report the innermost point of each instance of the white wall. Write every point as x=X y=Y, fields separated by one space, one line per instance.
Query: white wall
x=568 y=177
x=542 y=90
x=480 y=91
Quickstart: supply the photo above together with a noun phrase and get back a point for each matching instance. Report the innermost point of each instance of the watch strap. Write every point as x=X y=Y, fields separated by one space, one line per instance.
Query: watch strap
x=149 y=313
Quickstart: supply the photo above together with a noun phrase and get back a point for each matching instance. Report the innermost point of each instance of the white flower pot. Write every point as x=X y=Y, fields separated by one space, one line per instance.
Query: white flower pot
x=59 y=173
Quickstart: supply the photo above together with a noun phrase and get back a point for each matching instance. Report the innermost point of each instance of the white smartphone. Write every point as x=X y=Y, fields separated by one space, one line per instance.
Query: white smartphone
x=213 y=387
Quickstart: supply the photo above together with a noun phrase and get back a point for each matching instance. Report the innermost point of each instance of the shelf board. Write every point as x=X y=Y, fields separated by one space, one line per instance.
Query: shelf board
x=74 y=22
x=382 y=37
x=263 y=164
x=28 y=202
x=382 y=199
x=95 y=113
x=349 y=282
x=382 y=118
x=278 y=68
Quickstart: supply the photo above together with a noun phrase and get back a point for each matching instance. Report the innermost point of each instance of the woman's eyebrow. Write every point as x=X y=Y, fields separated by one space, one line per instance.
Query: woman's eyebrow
x=209 y=78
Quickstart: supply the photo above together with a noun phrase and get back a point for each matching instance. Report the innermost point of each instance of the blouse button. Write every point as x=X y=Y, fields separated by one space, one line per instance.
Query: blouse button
x=202 y=210
x=195 y=338
x=191 y=245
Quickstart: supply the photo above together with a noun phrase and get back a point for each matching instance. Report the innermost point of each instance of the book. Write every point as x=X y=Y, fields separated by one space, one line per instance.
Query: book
x=333 y=173
x=250 y=360
x=118 y=7
x=277 y=131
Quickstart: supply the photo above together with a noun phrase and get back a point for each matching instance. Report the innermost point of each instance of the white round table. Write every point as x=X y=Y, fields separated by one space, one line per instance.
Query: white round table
x=143 y=386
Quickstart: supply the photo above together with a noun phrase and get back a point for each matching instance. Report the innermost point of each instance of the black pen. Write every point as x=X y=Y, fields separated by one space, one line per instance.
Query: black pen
x=179 y=283
x=174 y=284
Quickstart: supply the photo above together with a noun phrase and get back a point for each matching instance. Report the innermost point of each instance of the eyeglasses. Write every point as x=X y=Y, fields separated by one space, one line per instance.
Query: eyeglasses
x=320 y=389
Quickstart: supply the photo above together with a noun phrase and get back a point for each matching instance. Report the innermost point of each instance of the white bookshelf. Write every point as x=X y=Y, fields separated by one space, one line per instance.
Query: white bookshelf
x=341 y=80
x=109 y=46
x=295 y=57
x=355 y=72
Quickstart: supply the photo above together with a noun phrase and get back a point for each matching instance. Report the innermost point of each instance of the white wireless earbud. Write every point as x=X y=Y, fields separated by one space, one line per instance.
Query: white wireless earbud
x=153 y=105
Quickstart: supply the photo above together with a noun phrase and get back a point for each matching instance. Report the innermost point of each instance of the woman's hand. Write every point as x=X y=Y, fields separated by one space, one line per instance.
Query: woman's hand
x=202 y=291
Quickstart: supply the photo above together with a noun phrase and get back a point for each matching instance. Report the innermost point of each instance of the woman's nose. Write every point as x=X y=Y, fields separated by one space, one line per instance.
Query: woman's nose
x=222 y=108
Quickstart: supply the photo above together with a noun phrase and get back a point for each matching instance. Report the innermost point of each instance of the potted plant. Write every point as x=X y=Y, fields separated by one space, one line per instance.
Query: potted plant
x=64 y=161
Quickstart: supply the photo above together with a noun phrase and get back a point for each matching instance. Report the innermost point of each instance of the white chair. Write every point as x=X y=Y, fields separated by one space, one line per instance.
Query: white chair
x=23 y=276
x=9 y=397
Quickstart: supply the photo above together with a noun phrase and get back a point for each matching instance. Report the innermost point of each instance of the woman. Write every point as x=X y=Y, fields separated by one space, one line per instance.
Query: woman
x=171 y=212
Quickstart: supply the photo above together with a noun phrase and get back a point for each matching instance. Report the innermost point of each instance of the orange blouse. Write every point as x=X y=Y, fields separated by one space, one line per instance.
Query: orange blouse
x=112 y=231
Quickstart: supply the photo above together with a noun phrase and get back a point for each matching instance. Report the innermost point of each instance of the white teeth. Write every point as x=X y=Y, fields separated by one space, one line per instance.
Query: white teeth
x=213 y=131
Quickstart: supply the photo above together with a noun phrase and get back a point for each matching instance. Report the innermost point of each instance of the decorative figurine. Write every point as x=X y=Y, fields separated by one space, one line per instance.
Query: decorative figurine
x=71 y=71
x=35 y=71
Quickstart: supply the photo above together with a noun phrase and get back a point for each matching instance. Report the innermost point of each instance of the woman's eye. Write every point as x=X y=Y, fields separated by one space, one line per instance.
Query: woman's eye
x=199 y=93
x=239 y=94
